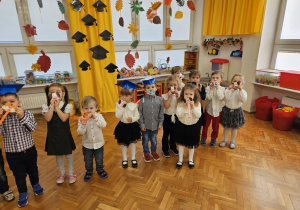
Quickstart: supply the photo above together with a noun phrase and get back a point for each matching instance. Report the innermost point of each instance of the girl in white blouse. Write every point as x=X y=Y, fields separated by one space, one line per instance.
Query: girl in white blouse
x=186 y=128
x=232 y=116
x=128 y=131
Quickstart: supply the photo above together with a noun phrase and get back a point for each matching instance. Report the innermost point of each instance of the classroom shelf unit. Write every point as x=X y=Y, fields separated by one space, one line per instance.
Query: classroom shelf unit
x=190 y=60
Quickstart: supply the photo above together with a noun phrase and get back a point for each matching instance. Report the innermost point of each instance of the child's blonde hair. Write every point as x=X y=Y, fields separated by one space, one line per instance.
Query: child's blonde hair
x=196 y=93
x=217 y=72
x=86 y=100
x=238 y=75
x=126 y=91
x=173 y=78
x=176 y=69
x=194 y=73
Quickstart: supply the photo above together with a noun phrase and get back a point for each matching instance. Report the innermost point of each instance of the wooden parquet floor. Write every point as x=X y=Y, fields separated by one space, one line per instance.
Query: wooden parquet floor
x=263 y=172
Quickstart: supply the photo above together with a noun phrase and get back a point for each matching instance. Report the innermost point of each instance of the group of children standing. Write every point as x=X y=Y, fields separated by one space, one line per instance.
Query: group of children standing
x=179 y=113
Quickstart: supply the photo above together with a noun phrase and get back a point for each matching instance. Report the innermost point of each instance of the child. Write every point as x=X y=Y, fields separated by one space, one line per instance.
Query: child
x=59 y=140
x=18 y=143
x=214 y=97
x=187 y=128
x=92 y=138
x=170 y=104
x=151 y=118
x=4 y=188
x=127 y=131
x=232 y=116
x=177 y=71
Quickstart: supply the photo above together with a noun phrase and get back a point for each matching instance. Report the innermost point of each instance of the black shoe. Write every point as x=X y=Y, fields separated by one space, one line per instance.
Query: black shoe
x=175 y=151
x=134 y=163
x=166 y=154
x=125 y=164
x=191 y=164
x=179 y=164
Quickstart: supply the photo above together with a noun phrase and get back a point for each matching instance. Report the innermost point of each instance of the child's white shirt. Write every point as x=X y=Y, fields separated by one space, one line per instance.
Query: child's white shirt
x=182 y=114
x=68 y=109
x=173 y=104
x=234 y=99
x=182 y=84
x=130 y=110
x=92 y=136
x=214 y=99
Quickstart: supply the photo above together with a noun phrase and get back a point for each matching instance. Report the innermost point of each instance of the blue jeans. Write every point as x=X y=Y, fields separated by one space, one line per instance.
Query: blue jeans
x=3 y=178
x=88 y=158
x=149 y=135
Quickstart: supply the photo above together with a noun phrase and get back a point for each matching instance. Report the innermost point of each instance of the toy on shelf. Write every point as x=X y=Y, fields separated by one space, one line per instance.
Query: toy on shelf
x=50 y=79
x=29 y=74
x=123 y=72
x=66 y=75
x=222 y=65
x=145 y=71
x=268 y=76
x=150 y=69
x=236 y=53
x=139 y=71
x=132 y=73
x=156 y=70
x=40 y=80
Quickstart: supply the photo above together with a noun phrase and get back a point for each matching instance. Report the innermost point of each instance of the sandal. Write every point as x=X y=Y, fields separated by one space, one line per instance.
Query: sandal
x=87 y=176
x=179 y=164
x=103 y=174
x=125 y=164
x=223 y=143
x=232 y=145
x=203 y=142
x=134 y=163
x=8 y=195
x=191 y=164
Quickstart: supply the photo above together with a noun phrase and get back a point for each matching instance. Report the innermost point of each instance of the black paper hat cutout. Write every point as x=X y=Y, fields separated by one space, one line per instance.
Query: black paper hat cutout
x=84 y=66
x=89 y=20
x=99 y=52
x=99 y=5
x=106 y=35
x=111 y=68
x=76 y=4
x=78 y=36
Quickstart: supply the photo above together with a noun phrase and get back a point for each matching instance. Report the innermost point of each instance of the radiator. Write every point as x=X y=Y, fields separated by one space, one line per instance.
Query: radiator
x=295 y=102
x=33 y=101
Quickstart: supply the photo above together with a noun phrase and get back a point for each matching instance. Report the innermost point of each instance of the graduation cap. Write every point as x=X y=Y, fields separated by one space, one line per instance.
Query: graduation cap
x=12 y=88
x=76 y=4
x=84 y=66
x=89 y=20
x=127 y=84
x=111 y=68
x=99 y=5
x=78 y=36
x=148 y=80
x=99 y=52
x=106 y=35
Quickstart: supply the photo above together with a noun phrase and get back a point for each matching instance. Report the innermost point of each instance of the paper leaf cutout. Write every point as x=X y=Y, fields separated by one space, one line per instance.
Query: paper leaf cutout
x=61 y=7
x=40 y=3
x=168 y=59
x=191 y=5
x=170 y=11
x=136 y=55
x=168 y=2
x=44 y=61
x=133 y=28
x=63 y=25
x=134 y=44
x=136 y=7
x=180 y=3
x=129 y=59
x=168 y=46
x=168 y=32
x=32 y=49
x=156 y=20
x=178 y=15
x=119 y=5
x=151 y=14
x=30 y=30
x=36 y=67
x=156 y=5
x=121 y=21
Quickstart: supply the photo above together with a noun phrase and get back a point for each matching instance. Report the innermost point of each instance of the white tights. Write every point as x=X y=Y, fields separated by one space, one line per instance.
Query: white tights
x=181 y=151
x=233 y=134
x=132 y=150
x=61 y=165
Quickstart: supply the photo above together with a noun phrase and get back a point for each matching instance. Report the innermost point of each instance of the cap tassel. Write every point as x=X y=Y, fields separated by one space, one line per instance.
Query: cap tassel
x=86 y=39
x=89 y=68
x=96 y=23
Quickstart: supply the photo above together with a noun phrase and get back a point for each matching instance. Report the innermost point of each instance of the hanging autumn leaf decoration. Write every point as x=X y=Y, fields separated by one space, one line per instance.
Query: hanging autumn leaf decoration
x=151 y=14
x=129 y=60
x=36 y=67
x=180 y=3
x=170 y=11
x=136 y=7
x=44 y=61
x=63 y=25
x=168 y=2
x=168 y=46
x=168 y=59
x=156 y=20
x=156 y=5
x=168 y=32
x=133 y=28
x=134 y=44
x=191 y=5
x=121 y=21
x=61 y=7
x=136 y=55
x=40 y=3
x=30 y=30
x=31 y=49
x=178 y=15
x=119 y=5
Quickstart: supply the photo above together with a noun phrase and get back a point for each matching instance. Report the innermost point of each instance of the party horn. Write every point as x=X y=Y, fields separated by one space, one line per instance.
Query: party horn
x=121 y=104
x=189 y=109
x=138 y=101
x=215 y=84
x=4 y=116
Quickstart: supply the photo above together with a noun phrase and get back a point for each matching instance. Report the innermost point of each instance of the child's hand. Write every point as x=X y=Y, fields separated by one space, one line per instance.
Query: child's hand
x=129 y=119
x=170 y=94
x=176 y=93
x=20 y=112
x=143 y=129
x=56 y=104
x=218 y=85
x=230 y=87
x=52 y=102
x=1 y=112
x=83 y=122
x=211 y=86
x=240 y=86
x=160 y=127
x=184 y=105
x=199 y=87
x=192 y=104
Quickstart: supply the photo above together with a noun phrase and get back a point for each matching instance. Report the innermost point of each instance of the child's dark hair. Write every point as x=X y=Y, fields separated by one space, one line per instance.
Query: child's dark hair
x=87 y=99
x=176 y=69
x=126 y=92
x=194 y=73
x=196 y=93
x=218 y=72
x=10 y=94
x=63 y=89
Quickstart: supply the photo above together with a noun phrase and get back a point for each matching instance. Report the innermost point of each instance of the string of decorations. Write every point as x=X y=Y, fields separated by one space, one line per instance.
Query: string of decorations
x=216 y=44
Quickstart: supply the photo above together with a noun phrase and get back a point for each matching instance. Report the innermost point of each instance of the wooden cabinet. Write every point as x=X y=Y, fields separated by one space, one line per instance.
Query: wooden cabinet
x=191 y=60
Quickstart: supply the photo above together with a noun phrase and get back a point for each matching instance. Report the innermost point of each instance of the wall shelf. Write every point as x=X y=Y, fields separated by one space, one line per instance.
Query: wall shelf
x=192 y=56
x=277 y=87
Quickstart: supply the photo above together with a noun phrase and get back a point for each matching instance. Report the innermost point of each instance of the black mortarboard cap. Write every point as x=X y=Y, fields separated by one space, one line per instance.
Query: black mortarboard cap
x=78 y=36
x=99 y=5
x=106 y=35
x=89 y=20
x=84 y=65
x=76 y=4
x=99 y=52
x=111 y=68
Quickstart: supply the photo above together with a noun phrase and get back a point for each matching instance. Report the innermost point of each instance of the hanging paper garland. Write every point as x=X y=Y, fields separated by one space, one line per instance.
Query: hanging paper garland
x=129 y=60
x=136 y=55
x=134 y=44
x=31 y=49
x=168 y=32
x=168 y=59
x=178 y=14
x=133 y=28
x=30 y=30
x=191 y=5
x=168 y=46
x=36 y=67
x=151 y=14
x=156 y=5
x=44 y=61
x=119 y=6
x=136 y=7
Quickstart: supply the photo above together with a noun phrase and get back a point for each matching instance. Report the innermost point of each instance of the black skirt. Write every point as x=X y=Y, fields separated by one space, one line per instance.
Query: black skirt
x=187 y=135
x=232 y=118
x=127 y=133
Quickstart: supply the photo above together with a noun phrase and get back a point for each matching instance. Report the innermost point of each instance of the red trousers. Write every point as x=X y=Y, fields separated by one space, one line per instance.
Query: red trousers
x=215 y=126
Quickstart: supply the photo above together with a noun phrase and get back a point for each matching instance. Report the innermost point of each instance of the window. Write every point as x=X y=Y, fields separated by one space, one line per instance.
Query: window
x=142 y=61
x=288 y=60
x=176 y=57
x=291 y=23
x=181 y=30
x=2 y=73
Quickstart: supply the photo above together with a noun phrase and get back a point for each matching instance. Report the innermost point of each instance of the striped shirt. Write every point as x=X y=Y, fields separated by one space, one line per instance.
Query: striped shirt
x=16 y=132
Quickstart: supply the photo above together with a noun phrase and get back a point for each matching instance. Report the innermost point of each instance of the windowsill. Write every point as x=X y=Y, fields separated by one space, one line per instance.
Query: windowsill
x=277 y=87
x=159 y=77
x=45 y=84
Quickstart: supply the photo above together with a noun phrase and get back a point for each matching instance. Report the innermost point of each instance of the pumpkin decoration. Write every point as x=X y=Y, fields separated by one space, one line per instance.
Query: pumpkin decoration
x=63 y=25
x=168 y=2
x=168 y=46
x=129 y=60
x=168 y=32
x=191 y=5
x=178 y=15
x=30 y=30
x=36 y=67
x=44 y=61
x=32 y=49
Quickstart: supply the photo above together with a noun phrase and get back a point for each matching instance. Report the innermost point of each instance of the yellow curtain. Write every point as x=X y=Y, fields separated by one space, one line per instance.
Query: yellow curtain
x=96 y=82
x=232 y=17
